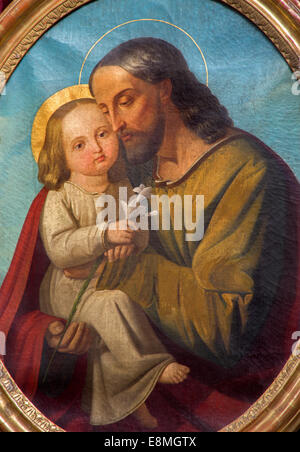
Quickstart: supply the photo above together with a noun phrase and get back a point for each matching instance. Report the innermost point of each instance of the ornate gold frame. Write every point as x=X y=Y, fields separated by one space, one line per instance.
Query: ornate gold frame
x=21 y=25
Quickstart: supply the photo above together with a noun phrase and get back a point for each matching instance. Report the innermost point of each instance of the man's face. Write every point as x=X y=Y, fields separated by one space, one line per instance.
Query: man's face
x=134 y=109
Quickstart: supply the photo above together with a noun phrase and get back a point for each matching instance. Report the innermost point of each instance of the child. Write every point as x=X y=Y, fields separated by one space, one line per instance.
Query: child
x=126 y=359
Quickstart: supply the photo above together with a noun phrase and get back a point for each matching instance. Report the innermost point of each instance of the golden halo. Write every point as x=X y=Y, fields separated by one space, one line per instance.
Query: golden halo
x=49 y=107
x=144 y=20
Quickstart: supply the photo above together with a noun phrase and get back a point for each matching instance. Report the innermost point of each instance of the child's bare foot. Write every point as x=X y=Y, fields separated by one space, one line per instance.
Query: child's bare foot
x=174 y=373
x=145 y=418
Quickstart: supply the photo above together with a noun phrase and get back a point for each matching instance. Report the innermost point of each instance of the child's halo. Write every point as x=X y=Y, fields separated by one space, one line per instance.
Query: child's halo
x=49 y=107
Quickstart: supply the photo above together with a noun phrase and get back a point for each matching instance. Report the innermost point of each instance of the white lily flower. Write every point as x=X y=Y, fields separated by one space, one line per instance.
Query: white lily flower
x=147 y=192
x=143 y=191
x=142 y=195
x=139 y=189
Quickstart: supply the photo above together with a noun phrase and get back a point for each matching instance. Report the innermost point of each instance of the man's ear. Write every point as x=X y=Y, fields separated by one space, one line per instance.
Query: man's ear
x=165 y=91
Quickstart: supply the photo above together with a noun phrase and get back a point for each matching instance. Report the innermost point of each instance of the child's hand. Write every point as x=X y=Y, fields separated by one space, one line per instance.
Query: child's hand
x=120 y=252
x=120 y=233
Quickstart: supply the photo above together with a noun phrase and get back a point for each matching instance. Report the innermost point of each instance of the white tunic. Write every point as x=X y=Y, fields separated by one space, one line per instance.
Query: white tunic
x=127 y=358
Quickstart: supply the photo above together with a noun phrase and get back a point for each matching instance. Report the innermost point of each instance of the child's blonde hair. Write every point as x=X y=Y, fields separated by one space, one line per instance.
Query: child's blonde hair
x=53 y=170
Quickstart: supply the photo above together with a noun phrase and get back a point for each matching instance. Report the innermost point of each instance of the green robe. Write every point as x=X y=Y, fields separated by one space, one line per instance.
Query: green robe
x=213 y=296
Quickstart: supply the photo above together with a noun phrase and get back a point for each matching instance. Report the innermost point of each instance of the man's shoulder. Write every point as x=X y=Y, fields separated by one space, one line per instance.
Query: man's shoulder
x=245 y=149
x=240 y=153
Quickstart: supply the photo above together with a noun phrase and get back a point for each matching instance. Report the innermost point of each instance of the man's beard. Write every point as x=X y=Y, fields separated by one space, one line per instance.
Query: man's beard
x=143 y=146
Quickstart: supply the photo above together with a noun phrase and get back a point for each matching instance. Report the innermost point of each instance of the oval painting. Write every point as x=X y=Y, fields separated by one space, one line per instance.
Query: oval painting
x=149 y=217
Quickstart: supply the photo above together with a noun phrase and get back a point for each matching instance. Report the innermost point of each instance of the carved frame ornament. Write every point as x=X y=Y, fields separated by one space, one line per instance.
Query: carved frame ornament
x=21 y=25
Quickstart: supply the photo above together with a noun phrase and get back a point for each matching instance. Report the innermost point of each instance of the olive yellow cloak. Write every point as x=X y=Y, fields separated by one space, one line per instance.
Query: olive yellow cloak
x=213 y=296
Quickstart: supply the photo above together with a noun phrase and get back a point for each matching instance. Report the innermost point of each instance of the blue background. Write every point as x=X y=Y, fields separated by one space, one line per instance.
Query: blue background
x=246 y=72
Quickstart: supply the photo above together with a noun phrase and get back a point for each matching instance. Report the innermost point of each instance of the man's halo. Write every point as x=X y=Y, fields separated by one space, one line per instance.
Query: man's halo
x=143 y=20
x=52 y=104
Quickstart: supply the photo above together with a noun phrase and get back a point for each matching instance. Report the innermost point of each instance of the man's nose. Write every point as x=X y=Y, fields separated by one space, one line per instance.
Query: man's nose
x=117 y=122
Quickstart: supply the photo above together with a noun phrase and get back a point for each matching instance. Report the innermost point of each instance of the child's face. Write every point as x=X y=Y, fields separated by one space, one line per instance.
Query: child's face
x=91 y=148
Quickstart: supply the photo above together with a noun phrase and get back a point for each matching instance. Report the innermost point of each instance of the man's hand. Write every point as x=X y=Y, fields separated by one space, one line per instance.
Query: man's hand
x=120 y=252
x=77 y=340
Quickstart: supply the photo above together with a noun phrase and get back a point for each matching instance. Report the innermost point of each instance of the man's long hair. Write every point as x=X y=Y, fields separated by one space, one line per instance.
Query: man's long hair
x=154 y=60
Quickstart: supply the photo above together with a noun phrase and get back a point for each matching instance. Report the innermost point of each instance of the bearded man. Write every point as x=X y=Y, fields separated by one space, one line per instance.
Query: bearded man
x=226 y=305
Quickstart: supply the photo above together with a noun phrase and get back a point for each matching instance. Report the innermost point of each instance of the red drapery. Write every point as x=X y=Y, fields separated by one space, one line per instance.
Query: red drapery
x=212 y=396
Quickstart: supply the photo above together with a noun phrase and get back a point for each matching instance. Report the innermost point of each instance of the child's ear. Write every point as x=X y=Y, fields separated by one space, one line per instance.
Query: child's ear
x=166 y=90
